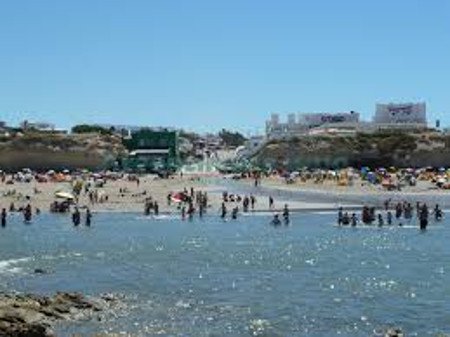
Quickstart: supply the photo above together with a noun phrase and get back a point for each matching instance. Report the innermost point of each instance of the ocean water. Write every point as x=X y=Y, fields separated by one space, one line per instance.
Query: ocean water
x=237 y=278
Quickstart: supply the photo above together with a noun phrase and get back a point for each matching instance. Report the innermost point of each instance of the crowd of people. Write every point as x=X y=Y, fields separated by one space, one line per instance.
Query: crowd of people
x=27 y=213
x=400 y=213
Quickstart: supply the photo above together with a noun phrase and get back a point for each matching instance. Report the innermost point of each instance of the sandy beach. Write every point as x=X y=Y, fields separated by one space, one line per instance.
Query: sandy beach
x=299 y=196
x=134 y=195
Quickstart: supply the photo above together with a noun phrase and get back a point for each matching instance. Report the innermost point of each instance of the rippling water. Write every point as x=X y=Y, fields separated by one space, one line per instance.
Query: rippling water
x=238 y=278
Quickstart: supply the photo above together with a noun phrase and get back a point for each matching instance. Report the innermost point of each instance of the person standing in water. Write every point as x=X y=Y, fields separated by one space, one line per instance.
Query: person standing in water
x=76 y=217
x=389 y=217
x=354 y=220
x=423 y=216
x=3 y=217
x=234 y=213
x=286 y=214
x=438 y=214
x=270 y=202
x=380 y=220
x=156 y=208
x=276 y=220
x=201 y=209
x=223 y=211
x=88 y=217
x=340 y=216
x=27 y=213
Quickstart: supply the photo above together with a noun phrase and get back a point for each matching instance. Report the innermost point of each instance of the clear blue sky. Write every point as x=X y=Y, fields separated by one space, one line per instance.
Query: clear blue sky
x=210 y=64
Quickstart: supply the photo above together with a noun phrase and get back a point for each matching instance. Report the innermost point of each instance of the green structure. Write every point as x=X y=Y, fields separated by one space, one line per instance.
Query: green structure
x=152 y=151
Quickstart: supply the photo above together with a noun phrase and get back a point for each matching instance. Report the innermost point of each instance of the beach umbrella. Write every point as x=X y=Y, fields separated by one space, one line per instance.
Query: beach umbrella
x=64 y=195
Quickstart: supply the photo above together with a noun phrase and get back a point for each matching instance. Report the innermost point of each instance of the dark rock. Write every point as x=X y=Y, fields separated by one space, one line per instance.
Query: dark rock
x=28 y=330
x=394 y=332
x=31 y=315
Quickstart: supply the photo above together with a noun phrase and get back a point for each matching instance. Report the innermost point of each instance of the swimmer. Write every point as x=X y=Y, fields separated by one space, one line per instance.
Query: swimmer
x=276 y=220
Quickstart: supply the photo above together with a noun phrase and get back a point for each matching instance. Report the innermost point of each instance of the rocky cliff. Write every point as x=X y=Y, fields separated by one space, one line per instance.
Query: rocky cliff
x=381 y=149
x=42 y=151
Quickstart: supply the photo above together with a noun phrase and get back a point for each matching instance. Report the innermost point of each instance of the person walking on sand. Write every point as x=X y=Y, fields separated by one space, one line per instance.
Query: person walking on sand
x=270 y=202
x=252 y=201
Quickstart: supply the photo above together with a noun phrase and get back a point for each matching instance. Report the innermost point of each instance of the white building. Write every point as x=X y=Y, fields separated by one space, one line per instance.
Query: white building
x=403 y=113
x=306 y=122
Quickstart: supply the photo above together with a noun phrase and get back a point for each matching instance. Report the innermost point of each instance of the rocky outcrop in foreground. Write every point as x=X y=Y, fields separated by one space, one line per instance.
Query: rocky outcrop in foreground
x=33 y=315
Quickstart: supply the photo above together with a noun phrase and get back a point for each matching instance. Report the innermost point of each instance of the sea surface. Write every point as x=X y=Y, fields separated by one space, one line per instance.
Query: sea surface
x=237 y=278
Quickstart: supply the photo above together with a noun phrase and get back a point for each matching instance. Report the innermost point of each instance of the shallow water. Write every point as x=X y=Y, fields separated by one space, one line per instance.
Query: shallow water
x=237 y=278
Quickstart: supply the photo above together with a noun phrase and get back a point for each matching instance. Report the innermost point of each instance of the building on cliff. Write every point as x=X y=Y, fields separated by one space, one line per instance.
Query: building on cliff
x=391 y=116
x=407 y=116
x=303 y=123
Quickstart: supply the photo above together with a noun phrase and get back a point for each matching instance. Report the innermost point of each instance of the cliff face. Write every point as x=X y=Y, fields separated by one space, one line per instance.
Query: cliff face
x=393 y=149
x=41 y=151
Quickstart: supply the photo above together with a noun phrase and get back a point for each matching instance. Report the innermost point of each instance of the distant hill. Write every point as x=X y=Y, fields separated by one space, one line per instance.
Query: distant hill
x=379 y=149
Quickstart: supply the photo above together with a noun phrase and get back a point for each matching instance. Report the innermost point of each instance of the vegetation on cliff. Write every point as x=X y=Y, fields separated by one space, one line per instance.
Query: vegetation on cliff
x=398 y=149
